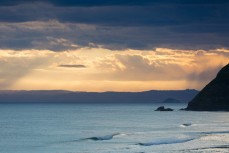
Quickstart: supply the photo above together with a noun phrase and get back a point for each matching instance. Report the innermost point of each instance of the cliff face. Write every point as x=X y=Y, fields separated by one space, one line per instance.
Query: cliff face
x=215 y=95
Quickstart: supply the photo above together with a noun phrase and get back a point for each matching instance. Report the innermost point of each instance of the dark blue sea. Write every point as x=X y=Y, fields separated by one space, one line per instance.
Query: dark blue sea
x=100 y=128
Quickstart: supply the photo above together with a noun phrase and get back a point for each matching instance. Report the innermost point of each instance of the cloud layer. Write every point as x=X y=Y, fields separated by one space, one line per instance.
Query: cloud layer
x=122 y=45
x=129 y=70
x=64 y=25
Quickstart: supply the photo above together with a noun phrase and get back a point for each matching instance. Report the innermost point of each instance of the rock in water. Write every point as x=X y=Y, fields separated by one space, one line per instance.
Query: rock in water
x=186 y=124
x=215 y=95
x=162 y=108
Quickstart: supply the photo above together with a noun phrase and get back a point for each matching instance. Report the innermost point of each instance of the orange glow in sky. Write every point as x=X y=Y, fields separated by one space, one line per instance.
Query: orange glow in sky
x=99 y=69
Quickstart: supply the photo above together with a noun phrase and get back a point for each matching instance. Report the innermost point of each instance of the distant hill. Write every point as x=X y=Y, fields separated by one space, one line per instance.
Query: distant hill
x=62 y=96
x=215 y=95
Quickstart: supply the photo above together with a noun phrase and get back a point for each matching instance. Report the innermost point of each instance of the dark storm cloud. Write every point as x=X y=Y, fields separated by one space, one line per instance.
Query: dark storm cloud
x=137 y=24
x=160 y=14
x=111 y=2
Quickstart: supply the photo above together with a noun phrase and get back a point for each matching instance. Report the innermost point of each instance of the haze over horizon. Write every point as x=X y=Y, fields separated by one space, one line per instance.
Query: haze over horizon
x=129 y=45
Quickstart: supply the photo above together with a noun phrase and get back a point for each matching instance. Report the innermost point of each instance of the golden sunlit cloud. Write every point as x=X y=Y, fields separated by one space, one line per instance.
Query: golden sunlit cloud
x=99 y=69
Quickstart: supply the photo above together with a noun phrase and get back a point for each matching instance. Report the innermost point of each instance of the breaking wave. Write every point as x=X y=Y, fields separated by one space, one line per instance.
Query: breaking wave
x=166 y=141
x=102 y=138
x=215 y=132
x=185 y=125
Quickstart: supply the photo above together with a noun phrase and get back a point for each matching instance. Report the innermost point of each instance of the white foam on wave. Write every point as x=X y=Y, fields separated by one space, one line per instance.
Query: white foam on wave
x=215 y=132
x=123 y=134
x=216 y=137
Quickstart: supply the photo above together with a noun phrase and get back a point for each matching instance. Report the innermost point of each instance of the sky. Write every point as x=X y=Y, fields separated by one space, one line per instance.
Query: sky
x=112 y=45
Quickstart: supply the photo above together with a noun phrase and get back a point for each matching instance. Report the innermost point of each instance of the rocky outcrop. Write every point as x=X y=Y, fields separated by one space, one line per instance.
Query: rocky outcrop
x=162 y=108
x=215 y=95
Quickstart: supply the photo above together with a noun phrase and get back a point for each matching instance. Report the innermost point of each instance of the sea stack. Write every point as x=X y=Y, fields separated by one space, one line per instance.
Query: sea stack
x=215 y=95
x=162 y=108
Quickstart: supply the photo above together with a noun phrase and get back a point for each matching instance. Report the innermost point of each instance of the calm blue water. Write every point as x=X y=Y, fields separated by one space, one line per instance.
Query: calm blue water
x=75 y=128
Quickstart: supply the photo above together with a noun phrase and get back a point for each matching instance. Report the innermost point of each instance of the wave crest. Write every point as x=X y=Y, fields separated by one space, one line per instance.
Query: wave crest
x=166 y=141
x=102 y=138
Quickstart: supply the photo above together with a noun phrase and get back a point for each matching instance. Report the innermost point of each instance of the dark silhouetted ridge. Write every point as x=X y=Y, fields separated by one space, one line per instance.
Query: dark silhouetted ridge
x=61 y=96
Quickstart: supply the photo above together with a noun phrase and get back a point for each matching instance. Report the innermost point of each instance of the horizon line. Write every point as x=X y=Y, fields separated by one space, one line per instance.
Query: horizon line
x=98 y=91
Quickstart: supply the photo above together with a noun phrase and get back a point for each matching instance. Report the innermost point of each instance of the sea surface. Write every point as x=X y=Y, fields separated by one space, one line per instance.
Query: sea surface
x=99 y=128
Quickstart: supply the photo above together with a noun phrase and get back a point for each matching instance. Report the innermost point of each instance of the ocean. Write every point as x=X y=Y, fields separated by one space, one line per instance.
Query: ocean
x=101 y=128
